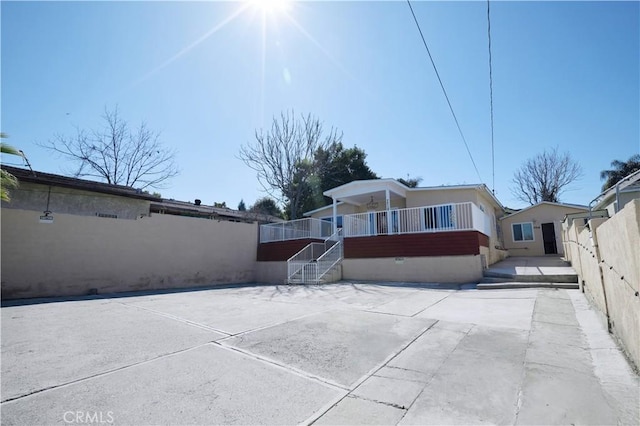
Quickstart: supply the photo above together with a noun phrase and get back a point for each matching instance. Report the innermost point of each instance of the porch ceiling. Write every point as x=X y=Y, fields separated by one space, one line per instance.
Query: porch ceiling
x=360 y=192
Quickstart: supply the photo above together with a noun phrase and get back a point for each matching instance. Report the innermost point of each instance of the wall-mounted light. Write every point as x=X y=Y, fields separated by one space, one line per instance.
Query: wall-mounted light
x=372 y=205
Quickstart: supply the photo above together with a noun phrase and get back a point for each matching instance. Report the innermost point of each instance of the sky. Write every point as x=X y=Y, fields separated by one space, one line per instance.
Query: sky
x=206 y=75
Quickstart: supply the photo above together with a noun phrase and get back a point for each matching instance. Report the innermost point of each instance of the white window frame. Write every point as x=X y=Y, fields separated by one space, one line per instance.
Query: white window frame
x=523 y=240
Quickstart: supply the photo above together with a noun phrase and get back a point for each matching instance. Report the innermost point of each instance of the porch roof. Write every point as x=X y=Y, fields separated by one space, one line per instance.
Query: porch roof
x=360 y=192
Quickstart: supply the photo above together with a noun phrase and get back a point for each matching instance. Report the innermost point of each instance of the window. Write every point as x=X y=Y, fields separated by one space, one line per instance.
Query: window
x=440 y=217
x=522 y=231
x=330 y=219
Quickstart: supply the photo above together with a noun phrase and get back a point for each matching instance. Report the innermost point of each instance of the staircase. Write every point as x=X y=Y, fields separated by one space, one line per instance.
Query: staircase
x=558 y=276
x=317 y=263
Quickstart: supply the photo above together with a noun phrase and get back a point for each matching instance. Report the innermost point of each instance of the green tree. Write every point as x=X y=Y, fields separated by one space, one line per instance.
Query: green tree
x=7 y=180
x=337 y=165
x=241 y=206
x=283 y=156
x=332 y=166
x=410 y=182
x=620 y=170
x=266 y=206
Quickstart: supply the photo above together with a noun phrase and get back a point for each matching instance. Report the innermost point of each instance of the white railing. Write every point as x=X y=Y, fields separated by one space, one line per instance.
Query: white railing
x=311 y=263
x=295 y=229
x=328 y=260
x=444 y=217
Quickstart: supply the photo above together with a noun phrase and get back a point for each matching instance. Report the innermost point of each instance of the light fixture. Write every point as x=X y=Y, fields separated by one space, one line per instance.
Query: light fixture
x=372 y=205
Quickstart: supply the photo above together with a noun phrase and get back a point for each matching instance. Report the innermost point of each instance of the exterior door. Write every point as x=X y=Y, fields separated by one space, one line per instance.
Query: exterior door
x=549 y=238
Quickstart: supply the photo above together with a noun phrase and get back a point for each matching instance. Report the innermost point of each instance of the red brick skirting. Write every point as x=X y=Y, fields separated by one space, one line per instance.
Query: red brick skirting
x=282 y=250
x=455 y=243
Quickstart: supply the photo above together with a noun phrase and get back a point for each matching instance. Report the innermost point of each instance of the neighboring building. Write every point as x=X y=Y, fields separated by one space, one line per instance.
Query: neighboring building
x=615 y=198
x=49 y=194
x=537 y=230
x=391 y=232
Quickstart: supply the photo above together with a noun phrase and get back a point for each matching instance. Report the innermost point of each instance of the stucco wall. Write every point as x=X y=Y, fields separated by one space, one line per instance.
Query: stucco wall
x=606 y=256
x=77 y=253
x=32 y=196
x=271 y=272
x=443 y=196
x=543 y=213
x=342 y=209
x=445 y=269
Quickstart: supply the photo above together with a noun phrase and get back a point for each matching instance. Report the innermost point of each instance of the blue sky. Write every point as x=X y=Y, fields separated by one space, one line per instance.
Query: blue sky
x=566 y=75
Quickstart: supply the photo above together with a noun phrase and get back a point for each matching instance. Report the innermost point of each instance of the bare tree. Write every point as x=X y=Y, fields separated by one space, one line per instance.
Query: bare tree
x=118 y=154
x=545 y=176
x=283 y=156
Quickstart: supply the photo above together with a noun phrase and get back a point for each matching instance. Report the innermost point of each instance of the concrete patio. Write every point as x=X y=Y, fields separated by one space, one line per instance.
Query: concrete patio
x=333 y=354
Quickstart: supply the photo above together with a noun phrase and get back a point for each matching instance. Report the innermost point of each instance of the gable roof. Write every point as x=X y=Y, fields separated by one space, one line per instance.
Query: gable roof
x=573 y=206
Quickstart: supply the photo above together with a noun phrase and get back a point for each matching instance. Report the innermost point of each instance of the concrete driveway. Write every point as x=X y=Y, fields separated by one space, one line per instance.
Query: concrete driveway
x=333 y=354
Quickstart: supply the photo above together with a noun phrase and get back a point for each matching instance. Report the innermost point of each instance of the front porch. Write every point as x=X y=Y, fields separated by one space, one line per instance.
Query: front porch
x=415 y=220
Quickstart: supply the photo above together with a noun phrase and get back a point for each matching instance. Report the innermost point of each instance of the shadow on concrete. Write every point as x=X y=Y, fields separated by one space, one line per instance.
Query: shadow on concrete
x=138 y=293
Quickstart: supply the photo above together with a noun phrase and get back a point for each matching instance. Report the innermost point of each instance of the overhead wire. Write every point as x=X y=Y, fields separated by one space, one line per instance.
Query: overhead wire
x=455 y=118
x=493 y=157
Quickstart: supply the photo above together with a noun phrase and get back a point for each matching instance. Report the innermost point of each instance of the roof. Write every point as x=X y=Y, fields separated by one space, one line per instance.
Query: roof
x=358 y=192
x=184 y=208
x=573 y=206
x=25 y=175
x=630 y=183
x=158 y=204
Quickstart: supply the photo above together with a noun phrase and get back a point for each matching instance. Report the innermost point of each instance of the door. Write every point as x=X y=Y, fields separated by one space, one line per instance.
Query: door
x=549 y=238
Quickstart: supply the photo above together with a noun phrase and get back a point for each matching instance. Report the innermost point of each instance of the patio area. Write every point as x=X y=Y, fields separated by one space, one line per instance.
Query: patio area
x=345 y=353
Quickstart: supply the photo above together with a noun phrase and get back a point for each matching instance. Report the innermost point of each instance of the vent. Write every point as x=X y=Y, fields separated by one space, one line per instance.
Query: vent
x=112 y=216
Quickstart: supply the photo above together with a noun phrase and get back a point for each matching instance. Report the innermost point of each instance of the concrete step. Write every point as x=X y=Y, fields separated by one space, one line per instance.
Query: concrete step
x=559 y=278
x=515 y=285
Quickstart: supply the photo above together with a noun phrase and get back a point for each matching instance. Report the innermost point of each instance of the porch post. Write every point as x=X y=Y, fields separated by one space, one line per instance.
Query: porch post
x=387 y=202
x=335 y=215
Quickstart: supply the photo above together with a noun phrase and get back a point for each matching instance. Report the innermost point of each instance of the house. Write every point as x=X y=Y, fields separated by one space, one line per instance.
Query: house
x=381 y=229
x=537 y=230
x=49 y=194
x=615 y=198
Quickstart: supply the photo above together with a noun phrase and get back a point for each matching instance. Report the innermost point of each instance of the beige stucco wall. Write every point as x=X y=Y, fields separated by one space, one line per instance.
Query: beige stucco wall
x=77 y=253
x=606 y=256
x=445 y=269
x=441 y=196
x=543 y=213
x=619 y=246
x=271 y=272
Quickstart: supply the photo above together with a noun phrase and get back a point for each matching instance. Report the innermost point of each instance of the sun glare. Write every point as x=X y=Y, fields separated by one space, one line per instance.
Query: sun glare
x=272 y=6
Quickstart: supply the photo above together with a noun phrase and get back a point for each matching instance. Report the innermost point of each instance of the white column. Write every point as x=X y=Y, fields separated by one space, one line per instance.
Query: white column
x=335 y=215
x=387 y=202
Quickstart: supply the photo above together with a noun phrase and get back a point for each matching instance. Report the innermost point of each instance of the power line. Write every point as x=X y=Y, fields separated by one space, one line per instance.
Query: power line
x=443 y=90
x=493 y=158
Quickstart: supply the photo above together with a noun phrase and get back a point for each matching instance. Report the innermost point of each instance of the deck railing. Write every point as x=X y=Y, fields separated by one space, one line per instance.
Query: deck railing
x=295 y=229
x=440 y=218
